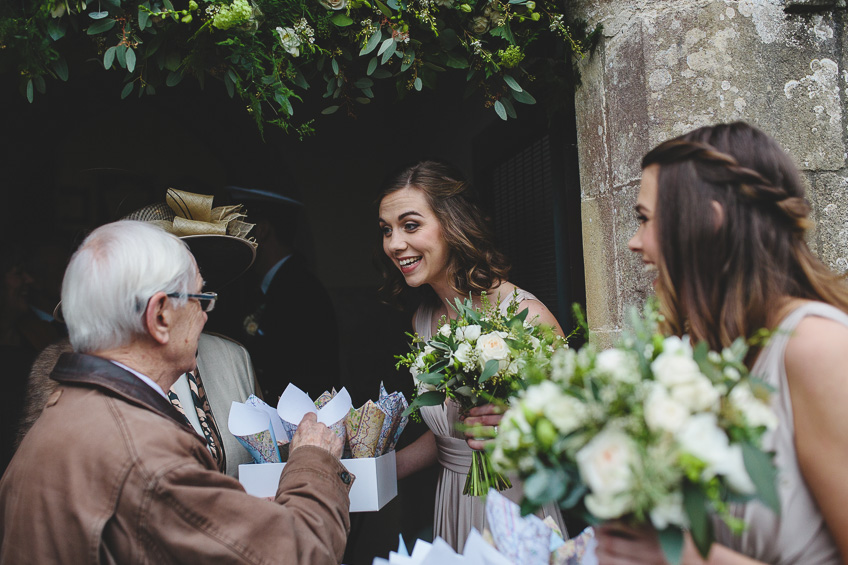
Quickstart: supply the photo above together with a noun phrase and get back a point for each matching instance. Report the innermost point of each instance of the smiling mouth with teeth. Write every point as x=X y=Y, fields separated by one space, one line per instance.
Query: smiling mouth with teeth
x=408 y=262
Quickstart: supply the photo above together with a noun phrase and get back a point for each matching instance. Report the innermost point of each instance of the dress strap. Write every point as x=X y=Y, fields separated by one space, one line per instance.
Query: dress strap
x=453 y=454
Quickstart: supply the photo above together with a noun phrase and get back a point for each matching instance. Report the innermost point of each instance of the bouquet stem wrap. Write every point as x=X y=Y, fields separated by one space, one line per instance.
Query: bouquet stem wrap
x=482 y=476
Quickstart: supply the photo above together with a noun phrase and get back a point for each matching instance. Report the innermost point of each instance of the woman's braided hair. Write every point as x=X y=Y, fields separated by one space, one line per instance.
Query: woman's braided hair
x=474 y=263
x=724 y=269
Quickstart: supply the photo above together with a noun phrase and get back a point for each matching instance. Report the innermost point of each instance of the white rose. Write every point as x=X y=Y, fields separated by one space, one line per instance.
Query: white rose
x=698 y=395
x=733 y=469
x=565 y=412
x=463 y=353
x=605 y=466
x=333 y=4
x=672 y=369
x=537 y=396
x=677 y=345
x=445 y=330
x=469 y=333
x=669 y=511
x=700 y=436
x=756 y=412
x=619 y=365
x=662 y=412
x=492 y=346
x=289 y=40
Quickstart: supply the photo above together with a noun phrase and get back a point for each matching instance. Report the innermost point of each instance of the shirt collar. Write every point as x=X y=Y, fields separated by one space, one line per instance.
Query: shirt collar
x=147 y=380
x=269 y=276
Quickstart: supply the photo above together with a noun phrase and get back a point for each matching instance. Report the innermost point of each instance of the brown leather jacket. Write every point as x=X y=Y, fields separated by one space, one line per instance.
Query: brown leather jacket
x=111 y=474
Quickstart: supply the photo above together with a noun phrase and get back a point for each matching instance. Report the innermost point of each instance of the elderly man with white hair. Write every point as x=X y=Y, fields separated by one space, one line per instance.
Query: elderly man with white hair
x=111 y=472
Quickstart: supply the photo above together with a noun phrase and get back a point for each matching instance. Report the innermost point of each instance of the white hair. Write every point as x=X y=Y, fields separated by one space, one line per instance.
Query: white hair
x=112 y=276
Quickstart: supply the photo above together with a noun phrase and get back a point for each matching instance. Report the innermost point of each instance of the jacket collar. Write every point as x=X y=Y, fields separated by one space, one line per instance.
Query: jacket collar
x=96 y=372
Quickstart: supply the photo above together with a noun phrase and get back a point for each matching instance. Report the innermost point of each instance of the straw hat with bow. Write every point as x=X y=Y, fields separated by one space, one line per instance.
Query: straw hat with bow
x=217 y=237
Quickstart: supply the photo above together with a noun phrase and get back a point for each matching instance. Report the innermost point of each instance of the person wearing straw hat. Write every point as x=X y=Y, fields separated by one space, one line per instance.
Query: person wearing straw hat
x=111 y=473
x=217 y=237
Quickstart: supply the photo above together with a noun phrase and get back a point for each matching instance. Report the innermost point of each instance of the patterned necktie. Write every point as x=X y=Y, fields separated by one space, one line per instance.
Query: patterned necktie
x=204 y=415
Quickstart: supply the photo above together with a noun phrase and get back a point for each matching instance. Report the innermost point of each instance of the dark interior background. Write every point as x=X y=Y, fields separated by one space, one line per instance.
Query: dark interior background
x=79 y=157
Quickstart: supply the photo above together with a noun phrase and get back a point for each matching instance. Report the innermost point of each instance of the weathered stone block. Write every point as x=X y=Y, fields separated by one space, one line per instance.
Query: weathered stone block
x=828 y=196
x=599 y=263
x=593 y=148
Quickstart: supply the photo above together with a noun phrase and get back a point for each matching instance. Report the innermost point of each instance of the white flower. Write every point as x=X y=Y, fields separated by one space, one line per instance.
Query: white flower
x=732 y=373
x=565 y=412
x=534 y=342
x=733 y=469
x=289 y=40
x=700 y=436
x=468 y=333
x=676 y=369
x=605 y=465
x=756 y=412
x=445 y=330
x=536 y=397
x=669 y=511
x=333 y=4
x=620 y=365
x=492 y=346
x=677 y=345
x=428 y=350
x=463 y=353
x=662 y=412
x=563 y=364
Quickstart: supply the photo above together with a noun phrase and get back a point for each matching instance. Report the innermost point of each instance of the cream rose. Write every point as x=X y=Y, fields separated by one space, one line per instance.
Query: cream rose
x=621 y=366
x=700 y=436
x=468 y=333
x=492 y=346
x=605 y=465
x=333 y=4
x=662 y=412
x=445 y=330
x=289 y=40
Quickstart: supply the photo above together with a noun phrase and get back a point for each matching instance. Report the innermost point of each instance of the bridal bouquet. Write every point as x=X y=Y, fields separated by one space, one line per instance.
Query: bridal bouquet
x=652 y=431
x=475 y=359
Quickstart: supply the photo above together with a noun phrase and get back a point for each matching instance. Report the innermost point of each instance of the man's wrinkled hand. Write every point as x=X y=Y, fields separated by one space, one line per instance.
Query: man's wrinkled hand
x=310 y=432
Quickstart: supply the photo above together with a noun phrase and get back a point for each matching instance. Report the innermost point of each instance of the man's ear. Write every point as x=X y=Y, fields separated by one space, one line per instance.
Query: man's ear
x=158 y=317
x=718 y=215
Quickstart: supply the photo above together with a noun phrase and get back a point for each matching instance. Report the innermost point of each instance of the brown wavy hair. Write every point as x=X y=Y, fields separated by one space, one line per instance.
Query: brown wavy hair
x=474 y=264
x=721 y=282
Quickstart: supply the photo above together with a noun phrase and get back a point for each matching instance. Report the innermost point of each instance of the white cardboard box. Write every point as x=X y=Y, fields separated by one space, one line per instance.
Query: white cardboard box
x=375 y=484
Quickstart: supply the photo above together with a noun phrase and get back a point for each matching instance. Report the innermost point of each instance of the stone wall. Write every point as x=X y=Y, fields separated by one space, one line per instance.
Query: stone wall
x=664 y=67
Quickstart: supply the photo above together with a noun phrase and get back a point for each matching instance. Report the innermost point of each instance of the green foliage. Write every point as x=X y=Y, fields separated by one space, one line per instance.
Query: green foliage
x=269 y=51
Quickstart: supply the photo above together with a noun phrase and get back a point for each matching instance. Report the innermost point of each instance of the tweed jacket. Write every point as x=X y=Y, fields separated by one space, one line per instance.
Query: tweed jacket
x=110 y=473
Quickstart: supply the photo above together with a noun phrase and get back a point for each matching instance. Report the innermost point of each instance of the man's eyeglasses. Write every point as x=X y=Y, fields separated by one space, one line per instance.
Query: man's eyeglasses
x=206 y=299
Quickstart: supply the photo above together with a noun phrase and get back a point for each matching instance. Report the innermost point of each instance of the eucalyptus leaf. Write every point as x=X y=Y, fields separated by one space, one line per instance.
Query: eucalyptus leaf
x=362 y=99
x=372 y=66
x=151 y=90
x=544 y=486
x=98 y=15
x=385 y=9
x=109 y=57
x=510 y=109
x=418 y=84
x=671 y=541
x=172 y=61
x=341 y=20
x=432 y=398
x=573 y=497
x=524 y=97
x=300 y=81
x=408 y=59
x=61 y=68
x=128 y=88
x=368 y=92
x=174 y=78
x=101 y=26
x=39 y=83
x=385 y=45
x=56 y=29
x=130 y=60
x=512 y=83
x=330 y=110
x=439 y=365
x=143 y=19
x=430 y=378
x=121 y=55
x=390 y=50
x=500 y=110
x=489 y=371
x=364 y=83
x=456 y=62
x=288 y=106
x=29 y=91
x=335 y=65
x=381 y=74
x=372 y=43
x=763 y=474
x=700 y=526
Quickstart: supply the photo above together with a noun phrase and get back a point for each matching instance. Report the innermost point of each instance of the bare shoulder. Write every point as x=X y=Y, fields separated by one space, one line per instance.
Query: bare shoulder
x=537 y=312
x=817 y=342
